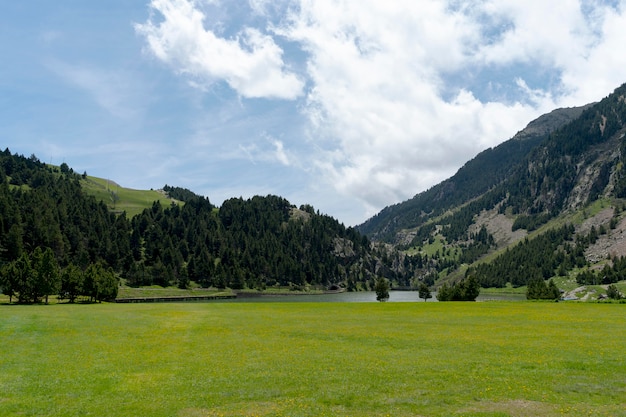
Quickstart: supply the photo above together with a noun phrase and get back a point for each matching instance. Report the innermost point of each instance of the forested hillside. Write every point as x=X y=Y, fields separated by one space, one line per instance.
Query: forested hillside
x=560 y=168
x=254 y=243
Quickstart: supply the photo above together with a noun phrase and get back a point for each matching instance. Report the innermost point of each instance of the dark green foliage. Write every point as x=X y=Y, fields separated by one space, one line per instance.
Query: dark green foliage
x=47 y=280
x=33 y=278
x=610 y=274
x=424 y=291
x=49 y=210
x=613 y=292
x=254 y=243
x=180 y=194
x=381 y=287
x=538 y=290
x=246 y=243
x=72 y=280
x=540 y=257
x=466 y=290
x=587 y=277
x=530 y=222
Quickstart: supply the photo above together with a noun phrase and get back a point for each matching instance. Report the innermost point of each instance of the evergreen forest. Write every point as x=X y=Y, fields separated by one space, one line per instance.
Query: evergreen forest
x=55 y=239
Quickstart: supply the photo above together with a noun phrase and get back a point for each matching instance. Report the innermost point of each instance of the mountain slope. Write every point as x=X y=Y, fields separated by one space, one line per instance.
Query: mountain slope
x=543 y=179
x=486 y=170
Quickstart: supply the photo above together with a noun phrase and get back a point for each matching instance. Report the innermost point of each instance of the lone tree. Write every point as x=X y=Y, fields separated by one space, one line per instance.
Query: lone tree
x=424 y=291
x=382 y=289
x=613 y=292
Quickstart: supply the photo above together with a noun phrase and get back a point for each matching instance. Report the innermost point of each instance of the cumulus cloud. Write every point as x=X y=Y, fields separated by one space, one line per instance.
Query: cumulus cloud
x=398 y=95
x=381 y=102
x=250 y=62
x=377 y=101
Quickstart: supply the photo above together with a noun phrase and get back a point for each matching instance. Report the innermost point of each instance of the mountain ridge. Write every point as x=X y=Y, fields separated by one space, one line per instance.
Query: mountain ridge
x=499 y=158
x=574 y=159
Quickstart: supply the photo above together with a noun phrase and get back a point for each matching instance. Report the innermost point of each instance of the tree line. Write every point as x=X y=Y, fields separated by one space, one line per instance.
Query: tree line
x=33 y=278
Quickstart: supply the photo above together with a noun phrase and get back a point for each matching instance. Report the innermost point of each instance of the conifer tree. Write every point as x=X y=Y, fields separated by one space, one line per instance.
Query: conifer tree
x=424 y=292
x=382 y=289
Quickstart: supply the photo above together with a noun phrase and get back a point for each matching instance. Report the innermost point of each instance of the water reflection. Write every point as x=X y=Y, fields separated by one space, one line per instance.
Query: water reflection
x=363 y=297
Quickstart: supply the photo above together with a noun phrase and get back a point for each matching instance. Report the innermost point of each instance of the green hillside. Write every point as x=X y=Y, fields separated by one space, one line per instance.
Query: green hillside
x=60 y=235
x=120 y=199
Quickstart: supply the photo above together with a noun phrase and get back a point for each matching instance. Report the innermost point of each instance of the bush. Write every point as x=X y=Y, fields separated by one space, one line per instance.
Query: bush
x=465 y=290
x=539 y=290
x=613 y=292
x=382 y=289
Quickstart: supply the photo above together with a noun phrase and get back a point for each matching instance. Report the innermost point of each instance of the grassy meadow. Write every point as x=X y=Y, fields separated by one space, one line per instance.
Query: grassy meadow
x=131 y=201
x=313 y=359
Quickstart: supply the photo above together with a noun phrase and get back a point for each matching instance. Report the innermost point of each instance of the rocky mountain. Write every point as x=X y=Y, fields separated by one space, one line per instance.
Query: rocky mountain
x=483 y=172
x=564 y=164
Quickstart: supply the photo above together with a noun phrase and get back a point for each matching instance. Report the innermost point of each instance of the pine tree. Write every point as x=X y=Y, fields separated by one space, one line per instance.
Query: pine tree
x=71 y=282
x=382 y=289
x=46 y=270
x=424 y=292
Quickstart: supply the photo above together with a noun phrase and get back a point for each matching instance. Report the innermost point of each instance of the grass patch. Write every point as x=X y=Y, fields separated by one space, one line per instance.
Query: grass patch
x=430 y=249
x=590 y=210
x=313 y=359
x=120 y=199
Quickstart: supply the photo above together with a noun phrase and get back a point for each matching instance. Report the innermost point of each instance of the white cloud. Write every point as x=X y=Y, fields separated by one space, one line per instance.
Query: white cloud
x=377 y=96
x=279 y=152
x=251 y=62
x=273 y=150
x=392 y=94
x=602 y=65
x=380 y=104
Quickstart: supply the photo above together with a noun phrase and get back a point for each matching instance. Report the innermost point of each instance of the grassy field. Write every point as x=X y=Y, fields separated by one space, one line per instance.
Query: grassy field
x=126 y=199
x=313 y=359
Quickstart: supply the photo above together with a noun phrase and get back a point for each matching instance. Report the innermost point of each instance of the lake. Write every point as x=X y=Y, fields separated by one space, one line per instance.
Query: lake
x=363 y=297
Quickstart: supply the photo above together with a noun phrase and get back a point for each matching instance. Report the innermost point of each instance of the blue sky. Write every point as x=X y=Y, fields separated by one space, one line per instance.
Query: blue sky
x=349 y=106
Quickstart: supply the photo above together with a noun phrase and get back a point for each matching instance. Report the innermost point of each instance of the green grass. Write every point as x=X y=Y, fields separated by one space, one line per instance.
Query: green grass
x=313 y=359
x=129 y=200
x=438 y=246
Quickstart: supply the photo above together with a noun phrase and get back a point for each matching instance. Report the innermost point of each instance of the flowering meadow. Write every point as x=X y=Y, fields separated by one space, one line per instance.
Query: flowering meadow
x=313 y=359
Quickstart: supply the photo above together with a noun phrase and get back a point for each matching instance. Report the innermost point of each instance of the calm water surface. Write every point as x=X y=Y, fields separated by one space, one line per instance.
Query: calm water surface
x=363 y=297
